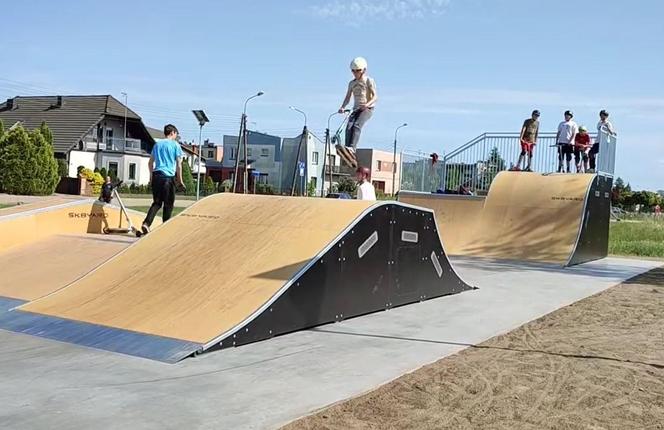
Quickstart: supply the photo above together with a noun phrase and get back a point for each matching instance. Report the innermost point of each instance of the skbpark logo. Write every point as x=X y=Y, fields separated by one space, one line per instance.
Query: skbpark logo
x=79 y=215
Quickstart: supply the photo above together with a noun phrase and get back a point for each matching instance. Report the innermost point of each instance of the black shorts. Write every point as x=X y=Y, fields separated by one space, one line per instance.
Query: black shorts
x=566 y=148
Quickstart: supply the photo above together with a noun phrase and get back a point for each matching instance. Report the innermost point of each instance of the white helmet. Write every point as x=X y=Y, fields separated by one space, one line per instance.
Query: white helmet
x=358 y=64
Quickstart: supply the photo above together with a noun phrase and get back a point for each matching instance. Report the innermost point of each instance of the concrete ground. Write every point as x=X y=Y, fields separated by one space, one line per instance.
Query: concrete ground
x=50 y=385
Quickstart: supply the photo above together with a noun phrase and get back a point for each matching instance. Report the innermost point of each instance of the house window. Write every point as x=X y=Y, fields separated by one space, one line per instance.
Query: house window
x=132 y=171
x=210 y=154
x=248 y=152
x=378 y=165
x=314 y=158
x=265 y=152
x=108 y=138
x=232 y=157
x=113 y=169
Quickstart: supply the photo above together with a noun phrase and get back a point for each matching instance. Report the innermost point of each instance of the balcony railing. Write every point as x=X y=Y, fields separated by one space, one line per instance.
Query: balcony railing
x=119 y=144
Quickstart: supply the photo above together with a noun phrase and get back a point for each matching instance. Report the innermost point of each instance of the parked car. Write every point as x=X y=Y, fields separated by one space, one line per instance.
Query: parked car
x=338 y=196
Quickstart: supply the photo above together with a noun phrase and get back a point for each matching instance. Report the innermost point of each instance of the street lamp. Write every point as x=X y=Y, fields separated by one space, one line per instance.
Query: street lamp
x=328 y=153
x=202 y=119
x=304 y=135
x=125 y=119
x=242 y=139
x=394 y=158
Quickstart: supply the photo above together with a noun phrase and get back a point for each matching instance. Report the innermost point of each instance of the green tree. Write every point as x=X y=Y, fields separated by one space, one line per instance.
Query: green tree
x=494 y=165
x=188 y=179
x=209 y=188
x=63 y=168
x=311 y=188
x=103 y=173
x=347 y=185
x=27 y=163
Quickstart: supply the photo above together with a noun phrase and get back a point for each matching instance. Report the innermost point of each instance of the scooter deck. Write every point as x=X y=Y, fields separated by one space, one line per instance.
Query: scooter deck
x=347 y=156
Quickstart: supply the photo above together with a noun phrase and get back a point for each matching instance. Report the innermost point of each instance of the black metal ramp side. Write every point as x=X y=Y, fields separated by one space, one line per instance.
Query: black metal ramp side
x=391 y=257
x=593 y=239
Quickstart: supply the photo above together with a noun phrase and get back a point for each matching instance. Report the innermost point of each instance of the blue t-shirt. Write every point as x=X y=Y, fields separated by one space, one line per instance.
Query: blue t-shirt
x=165 y=153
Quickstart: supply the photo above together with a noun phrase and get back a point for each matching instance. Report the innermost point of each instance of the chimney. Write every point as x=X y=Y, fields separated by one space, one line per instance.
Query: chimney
x=58 y=102
x=10 y=104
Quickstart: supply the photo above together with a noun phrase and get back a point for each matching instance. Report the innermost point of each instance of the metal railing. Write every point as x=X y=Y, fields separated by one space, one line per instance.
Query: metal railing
x=472 y=166
x=112 y=144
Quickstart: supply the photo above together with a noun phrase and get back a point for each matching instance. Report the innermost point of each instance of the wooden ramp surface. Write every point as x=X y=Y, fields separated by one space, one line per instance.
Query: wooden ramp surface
x=41 y=204
x=36 y=269
x=61 y=216
x=206 y=270
x=525 y=216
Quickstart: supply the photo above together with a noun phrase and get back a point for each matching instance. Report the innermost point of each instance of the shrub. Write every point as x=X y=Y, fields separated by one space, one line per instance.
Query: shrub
x=27 y=163
x=63 y=168
x=188 y=179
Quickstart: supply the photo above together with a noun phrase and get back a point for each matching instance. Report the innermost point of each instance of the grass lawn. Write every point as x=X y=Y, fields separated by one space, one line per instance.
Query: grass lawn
x=643 y=238
x=176 y=210
x=3 y=205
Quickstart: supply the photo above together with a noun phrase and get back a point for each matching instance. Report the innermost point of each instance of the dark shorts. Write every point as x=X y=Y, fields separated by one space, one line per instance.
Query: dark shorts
x=566 y=148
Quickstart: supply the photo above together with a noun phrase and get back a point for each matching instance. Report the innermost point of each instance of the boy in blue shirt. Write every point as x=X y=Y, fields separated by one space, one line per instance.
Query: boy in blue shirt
x=166 y=174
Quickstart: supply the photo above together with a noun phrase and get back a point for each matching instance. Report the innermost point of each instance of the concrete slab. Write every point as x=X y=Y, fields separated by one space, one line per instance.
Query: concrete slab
x=49 y=385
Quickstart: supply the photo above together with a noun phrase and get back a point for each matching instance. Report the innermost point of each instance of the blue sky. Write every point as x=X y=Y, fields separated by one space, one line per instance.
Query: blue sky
x=452 y=69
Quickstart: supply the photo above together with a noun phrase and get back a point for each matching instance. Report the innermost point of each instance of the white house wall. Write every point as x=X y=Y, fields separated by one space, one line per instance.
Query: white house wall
x=80 y=158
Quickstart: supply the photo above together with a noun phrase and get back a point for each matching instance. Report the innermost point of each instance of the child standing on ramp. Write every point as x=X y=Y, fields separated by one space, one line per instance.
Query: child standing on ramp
x=528 y=140
x=363 y=90
x=567 y=131
x=166 y=174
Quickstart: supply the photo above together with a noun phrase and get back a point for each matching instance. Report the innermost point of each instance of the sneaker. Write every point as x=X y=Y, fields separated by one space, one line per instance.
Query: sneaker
x=527 y=169
x=515 y=169
x=145 y=229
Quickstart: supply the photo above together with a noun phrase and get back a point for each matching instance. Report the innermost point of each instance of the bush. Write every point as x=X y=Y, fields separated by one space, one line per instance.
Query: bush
x=27 y=163
x=63 y=168
x=188 y=179
x=103 y=172
x=94 y=179
x=311 y=189
x=209 y=187
x=346 y=185
x=264 y=189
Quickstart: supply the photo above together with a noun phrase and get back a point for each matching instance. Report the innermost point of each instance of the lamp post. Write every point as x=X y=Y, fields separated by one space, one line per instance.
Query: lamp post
x=125 y=119
x=304 y=135
x=242 y=139
x=202 y=119
x=328 y=153
x=394 y=158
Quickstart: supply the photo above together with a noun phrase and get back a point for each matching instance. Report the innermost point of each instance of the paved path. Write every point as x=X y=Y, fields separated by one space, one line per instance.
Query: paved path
x=50 y=385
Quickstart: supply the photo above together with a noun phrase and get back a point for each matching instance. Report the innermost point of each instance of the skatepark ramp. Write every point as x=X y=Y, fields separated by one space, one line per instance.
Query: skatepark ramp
x=46 y=245
x=554 y=218
x=234 y=269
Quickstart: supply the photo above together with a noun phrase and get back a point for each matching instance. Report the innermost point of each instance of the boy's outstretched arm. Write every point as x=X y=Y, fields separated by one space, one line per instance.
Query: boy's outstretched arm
x=346 y=100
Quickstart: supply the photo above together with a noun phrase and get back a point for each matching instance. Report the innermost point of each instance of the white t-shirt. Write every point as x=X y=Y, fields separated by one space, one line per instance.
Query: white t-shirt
x=362 y=89
x=366 y=191
x=566 y=132
x=605 y=127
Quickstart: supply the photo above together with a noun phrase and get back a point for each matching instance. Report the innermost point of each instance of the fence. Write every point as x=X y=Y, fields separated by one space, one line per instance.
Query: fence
x=473 y=165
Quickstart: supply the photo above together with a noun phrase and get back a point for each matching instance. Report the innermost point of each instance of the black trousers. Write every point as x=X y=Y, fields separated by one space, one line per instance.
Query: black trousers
x=593 y=155
x=163 y=193
x=356 y=121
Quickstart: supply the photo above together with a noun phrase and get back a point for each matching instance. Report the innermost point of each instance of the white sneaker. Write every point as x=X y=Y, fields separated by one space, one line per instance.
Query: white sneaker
x=145 y=229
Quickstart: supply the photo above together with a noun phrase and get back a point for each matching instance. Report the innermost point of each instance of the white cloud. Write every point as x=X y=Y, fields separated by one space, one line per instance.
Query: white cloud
x=358 y=11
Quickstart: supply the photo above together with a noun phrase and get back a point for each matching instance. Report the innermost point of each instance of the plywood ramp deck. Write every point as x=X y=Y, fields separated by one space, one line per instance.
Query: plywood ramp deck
x=34 y=270
x=525 y=216
x=207 y=269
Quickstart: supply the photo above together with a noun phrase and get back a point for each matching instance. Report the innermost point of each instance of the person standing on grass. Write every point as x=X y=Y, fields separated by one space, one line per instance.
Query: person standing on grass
x=567 y=131
x=363 y=90
x=603 y=126
x=528 y=140
x=365 y=190
x=166 y=175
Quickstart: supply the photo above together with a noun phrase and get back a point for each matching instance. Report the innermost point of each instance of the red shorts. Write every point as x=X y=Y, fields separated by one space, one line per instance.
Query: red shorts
x=527 y=146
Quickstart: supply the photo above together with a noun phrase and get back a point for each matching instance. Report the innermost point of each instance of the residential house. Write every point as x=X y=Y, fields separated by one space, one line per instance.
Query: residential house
x=88 y=131
x=384 y=167
x=264 y=160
